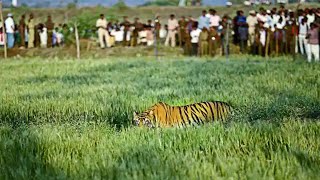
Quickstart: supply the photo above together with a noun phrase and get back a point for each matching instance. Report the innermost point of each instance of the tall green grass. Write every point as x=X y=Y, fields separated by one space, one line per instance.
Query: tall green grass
x=72 y=119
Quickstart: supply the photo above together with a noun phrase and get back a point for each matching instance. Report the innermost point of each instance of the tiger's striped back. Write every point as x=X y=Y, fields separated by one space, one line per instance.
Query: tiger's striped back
x=163 y=115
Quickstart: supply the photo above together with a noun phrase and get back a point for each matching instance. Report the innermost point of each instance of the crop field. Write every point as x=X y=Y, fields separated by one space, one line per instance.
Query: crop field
x=72 y=119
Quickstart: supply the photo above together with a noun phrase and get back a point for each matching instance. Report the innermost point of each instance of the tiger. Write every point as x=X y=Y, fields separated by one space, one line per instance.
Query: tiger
x=163 y=115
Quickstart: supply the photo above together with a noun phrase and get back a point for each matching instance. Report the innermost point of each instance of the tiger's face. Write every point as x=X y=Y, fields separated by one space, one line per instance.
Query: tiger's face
x=142 y=119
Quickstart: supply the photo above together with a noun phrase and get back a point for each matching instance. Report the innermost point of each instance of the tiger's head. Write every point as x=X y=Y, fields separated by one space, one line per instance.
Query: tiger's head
x=143 y=119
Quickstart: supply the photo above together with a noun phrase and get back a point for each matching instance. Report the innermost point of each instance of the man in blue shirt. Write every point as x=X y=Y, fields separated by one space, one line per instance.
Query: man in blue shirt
x=203 y=20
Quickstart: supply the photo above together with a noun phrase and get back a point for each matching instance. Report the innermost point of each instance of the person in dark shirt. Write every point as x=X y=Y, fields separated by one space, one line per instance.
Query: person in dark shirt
x=50 y=26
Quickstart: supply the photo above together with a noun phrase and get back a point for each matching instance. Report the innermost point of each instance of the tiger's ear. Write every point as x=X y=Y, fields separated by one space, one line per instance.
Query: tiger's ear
x=135 y=114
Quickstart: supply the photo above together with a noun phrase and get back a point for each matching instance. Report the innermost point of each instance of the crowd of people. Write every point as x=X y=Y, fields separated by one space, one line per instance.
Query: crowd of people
x=271 y=32
x=28 y=34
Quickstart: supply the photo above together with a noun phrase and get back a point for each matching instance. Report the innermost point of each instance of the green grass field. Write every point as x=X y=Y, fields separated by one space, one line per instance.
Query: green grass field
x=72 y=119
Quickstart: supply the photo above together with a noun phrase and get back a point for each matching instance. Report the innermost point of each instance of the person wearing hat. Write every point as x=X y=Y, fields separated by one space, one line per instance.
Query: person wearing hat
x=252 y=21
x=10 y=28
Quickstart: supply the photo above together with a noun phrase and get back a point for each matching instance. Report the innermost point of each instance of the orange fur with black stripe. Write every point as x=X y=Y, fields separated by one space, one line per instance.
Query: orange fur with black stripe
x=164 y=115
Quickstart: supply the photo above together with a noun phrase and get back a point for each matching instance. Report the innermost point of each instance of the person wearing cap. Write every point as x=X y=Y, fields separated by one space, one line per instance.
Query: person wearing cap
x=10 y=28
x=103 y=34
x=252 y=21
x=313 y=42
x=31 y=28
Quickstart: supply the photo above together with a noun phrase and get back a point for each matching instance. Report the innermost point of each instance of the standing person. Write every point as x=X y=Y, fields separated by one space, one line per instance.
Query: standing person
x=10 y=28
x=291 y=34
x=187 y=46
x=225 y=31
x=182 y=31
x=313 y=42
x=157 y=27
x=242 y=31
x=195 y=33
x=49 y=27
x=235 y=38
x=150 y=36
x=43 y=33
x=311 y=17
x=262 y=40
x=280 y=36
x=1 y=35
x=213 y=41
x=303 y=42
x=135 y=33
x=126 y=29
x=190 y=24
x=102 y=32
x=22 y=28
x=172 y=30
x=203 y=38
x=214 y=19
x=203 y=20
x=252 y=21
x=38 y=30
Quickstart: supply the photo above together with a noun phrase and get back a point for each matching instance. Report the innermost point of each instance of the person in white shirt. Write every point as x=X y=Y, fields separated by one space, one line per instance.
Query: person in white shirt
x=104 y=36
x=252 y=21
x=43 y=36
x=9 y=27
x=143 y=36
x=163 y=32
x=195 y=34
x=311 y=17
x=303 y=42
x=118 y=35
x=214 y=18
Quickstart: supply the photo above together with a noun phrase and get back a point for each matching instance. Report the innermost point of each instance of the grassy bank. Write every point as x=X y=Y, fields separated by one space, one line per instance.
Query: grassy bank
x=72 y=119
